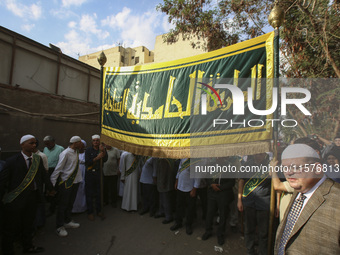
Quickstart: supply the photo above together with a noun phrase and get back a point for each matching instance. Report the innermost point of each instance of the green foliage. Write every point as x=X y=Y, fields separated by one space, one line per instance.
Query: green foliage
x=324 y=106
x=221 y=24
x=310 y=35
x=311 y=39
x=309 y=46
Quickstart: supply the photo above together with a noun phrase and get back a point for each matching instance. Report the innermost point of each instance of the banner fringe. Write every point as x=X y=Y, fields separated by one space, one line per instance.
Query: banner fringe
x=222 y=150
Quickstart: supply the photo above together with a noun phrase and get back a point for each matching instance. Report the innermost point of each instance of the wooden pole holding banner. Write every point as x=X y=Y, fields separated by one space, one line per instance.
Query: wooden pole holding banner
x=101 y=60
x=275 y=19
x=101 y=184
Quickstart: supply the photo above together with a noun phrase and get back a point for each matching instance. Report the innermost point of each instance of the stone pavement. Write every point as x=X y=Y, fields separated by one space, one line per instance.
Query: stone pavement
x=124 y=233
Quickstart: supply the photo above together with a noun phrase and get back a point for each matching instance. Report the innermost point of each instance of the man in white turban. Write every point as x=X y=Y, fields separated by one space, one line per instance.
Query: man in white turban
x=68 y=171
x=79 y=204
x=95 y=156
x=311 y=224
x=21 y=189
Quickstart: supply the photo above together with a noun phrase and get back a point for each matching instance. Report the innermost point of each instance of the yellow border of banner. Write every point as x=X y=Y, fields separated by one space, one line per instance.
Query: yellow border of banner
x=190 y=61
x=118 y=71
x=186 y=142
x=182 y=135
x=219 y=150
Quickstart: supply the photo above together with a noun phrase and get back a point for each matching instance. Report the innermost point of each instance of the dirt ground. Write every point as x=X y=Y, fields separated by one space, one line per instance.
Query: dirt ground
x=124 y=233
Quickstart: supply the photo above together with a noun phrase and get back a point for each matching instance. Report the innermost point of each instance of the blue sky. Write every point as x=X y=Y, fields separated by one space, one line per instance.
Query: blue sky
x=80 y=27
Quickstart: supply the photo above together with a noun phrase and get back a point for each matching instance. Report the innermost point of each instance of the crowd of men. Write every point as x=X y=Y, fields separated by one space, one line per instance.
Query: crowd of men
x=79 y=179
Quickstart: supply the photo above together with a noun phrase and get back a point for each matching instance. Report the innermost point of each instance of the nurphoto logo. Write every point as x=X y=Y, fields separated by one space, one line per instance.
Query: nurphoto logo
x=238 y=104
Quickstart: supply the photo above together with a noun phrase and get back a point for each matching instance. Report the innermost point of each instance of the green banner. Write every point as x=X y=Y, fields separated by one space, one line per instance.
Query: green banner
x=157 y=109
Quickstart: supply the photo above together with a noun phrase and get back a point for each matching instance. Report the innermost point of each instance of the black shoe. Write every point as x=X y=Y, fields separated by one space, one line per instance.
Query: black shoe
x=206 y=235
x=167 y=221
x=34 y=249
x=188 y=230
x=175 y=226
x=220 y=240
x=159 y=215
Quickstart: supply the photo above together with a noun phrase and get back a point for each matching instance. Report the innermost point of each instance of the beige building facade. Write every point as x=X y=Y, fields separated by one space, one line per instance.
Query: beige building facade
x=181 y=49
x=120 y=56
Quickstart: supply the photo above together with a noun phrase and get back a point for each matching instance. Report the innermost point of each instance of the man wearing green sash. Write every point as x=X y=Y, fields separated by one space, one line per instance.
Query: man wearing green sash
x=21 y=189
x=67 y=169
x=254 y=201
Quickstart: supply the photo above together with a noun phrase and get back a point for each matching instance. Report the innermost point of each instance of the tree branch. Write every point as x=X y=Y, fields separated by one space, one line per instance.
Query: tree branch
x=324 y=46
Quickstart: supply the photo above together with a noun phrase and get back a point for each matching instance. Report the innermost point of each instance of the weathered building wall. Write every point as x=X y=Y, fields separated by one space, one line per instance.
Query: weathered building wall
x=26 y=112
x=30 y=65
x=44 y=92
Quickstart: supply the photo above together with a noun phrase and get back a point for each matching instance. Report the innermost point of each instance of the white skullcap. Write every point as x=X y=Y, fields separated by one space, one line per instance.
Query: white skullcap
x=75 y=139
x=48 y=138
x=299 y=151
x=25 y=138
x=95 y=137
x=83 y=142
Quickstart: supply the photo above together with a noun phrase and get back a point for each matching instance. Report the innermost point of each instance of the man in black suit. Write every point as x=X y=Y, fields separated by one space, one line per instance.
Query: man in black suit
x=21 y=188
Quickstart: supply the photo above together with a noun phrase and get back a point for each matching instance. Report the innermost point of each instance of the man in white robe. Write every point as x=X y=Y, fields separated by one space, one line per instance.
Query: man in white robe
x=129 y=176
x=79 y=204
x=121 y=164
